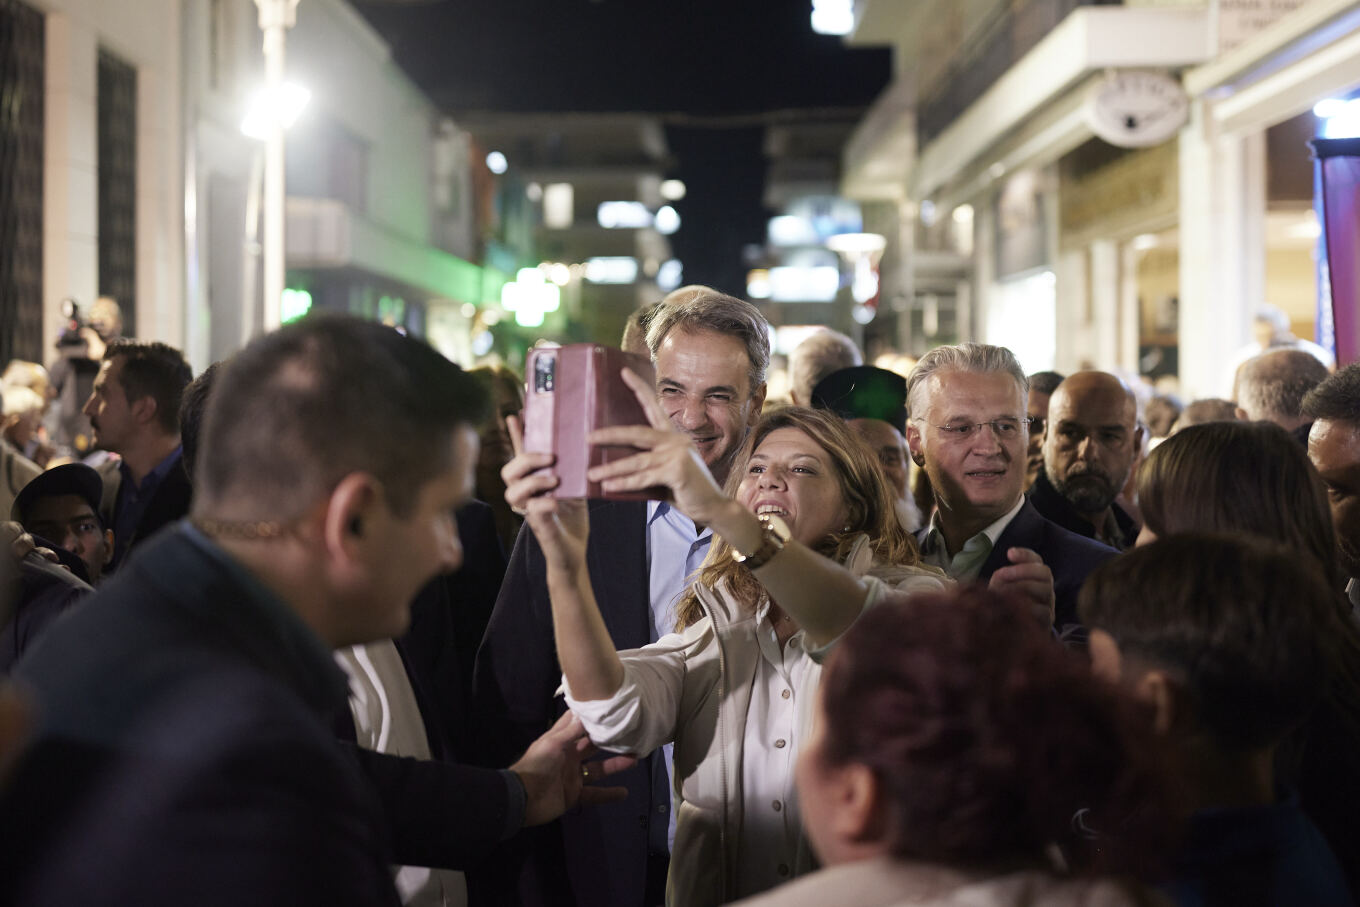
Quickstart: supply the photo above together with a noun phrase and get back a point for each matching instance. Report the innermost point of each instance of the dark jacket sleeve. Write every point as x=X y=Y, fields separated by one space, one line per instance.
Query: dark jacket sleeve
x=517 y=672
x=439 y=813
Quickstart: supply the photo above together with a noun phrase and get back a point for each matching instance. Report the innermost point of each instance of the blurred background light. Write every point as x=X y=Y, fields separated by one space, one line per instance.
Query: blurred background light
x=804 y=284
x=294 y=304
x=758 y=284
x=266 y=107
x=833 y=17
x=667 y=220
x=623 y=215
x=791 y=230
x=530 y=297
x=496 y=163
x=672 y=190
x=482 y=342
x=612 y=269
x=856 y=243
x=669 y=275
x=559 y=205
x=1340 y=119
x=559 y=273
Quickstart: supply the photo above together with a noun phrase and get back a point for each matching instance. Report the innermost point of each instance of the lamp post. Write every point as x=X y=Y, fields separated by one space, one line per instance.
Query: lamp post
x=276 y=17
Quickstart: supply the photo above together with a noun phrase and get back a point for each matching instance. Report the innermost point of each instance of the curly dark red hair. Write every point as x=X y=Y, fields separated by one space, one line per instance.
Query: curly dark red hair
x=992 y=741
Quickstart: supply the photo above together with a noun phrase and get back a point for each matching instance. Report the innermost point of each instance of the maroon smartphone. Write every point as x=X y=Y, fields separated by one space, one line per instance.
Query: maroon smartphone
x=571 y=391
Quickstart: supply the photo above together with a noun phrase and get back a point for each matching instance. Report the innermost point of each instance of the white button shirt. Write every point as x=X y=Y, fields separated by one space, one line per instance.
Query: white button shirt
x=771 y=823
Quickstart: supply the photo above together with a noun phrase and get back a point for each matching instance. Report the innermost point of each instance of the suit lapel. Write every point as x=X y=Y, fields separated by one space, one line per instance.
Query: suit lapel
x=1018 y=532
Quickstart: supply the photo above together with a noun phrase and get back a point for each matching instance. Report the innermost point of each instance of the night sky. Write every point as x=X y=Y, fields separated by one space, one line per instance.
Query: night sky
x=707 y=66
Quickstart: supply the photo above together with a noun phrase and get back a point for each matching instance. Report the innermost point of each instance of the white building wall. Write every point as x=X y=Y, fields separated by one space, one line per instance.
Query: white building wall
x=353 y=81
x=354 y=85
x=144 y=34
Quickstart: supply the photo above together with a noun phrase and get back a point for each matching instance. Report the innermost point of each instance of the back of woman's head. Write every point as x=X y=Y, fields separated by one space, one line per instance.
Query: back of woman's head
x=1250 y=477
x=986 y=737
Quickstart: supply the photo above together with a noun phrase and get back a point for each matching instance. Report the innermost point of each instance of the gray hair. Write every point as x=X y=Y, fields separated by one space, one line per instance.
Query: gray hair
x=705 y=309
x=1272 y=386
x=822 y=353
x=964 y=357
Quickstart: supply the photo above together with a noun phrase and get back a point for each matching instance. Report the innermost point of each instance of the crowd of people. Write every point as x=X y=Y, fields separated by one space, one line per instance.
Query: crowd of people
x=314 y=628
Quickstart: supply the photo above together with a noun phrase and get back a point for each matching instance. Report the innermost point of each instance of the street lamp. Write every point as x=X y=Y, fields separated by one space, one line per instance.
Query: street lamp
x=276 y=17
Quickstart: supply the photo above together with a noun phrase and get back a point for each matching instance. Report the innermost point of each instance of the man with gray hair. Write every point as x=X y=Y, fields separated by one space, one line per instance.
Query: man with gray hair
x=1271 y=388
x=711 y=353
x=824 y=352
x=968 y=430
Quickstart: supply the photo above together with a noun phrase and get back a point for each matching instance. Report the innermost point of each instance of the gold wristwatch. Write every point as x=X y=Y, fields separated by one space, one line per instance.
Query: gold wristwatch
x=775 y=537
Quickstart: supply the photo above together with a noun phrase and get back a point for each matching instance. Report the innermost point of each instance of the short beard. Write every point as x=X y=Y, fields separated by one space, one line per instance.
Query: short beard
x=1091 y=497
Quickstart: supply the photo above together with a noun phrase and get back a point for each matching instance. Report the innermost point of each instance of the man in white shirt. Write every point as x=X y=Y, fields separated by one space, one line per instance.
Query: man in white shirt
x=968 y=430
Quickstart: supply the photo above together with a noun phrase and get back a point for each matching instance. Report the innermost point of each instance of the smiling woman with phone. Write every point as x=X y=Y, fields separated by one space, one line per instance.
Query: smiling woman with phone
x=806 y=538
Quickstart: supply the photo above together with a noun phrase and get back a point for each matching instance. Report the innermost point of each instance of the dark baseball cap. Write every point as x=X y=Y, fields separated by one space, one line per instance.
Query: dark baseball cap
x=71 y=478
x=864 y=392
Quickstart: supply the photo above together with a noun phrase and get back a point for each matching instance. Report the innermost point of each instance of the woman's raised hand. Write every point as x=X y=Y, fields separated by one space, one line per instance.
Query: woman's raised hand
x=561 y=526
x=667 y=459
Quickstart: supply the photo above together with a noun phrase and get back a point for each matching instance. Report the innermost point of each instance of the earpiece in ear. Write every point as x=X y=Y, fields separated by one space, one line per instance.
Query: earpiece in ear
x=356 y=526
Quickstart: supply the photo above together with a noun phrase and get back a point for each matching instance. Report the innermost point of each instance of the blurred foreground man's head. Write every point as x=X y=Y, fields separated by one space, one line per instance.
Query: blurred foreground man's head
x=340 y=491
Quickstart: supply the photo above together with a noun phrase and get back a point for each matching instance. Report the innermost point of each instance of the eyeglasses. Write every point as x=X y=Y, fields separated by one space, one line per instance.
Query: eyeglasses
x=1002 y=429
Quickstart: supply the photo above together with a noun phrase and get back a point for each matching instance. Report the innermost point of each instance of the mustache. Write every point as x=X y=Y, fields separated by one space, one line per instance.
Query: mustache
x=1086 y=471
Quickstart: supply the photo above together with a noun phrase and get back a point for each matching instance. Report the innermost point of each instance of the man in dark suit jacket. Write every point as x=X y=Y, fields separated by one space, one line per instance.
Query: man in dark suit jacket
x=967 y=429
x=1069 y=556
x=183 y=751
x=134 y=409
x=711 y=352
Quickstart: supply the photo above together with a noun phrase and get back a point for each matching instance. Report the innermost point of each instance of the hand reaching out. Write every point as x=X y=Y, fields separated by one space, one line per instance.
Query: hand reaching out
x=557 y=776
x=1029 y=579
x=667 y=458
x=561 y=526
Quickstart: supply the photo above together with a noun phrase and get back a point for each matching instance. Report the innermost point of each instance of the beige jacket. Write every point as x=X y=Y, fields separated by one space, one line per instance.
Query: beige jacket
x=893 y=883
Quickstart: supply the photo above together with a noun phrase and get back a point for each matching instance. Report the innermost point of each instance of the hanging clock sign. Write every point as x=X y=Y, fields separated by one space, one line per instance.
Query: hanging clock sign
x=1136 y=108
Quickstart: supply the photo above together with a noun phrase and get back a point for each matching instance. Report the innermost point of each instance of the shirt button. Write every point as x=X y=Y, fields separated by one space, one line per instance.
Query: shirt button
x=661 y=808
x=777 y=806
x=786 y=694
x=783 y=869
x=779 y=744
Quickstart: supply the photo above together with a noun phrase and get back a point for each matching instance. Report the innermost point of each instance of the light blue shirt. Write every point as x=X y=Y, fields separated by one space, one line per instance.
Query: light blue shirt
x=675 y=549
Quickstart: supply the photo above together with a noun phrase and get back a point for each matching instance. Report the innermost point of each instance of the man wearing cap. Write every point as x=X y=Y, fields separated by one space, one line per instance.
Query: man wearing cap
x=873 y=401
x=61 y=506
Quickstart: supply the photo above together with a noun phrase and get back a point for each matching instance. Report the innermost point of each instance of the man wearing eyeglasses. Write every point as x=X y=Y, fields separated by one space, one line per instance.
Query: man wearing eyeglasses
x=968 y=429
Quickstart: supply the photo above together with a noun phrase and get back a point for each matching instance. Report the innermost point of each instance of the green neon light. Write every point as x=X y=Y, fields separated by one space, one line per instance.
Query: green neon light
x=294 y=304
